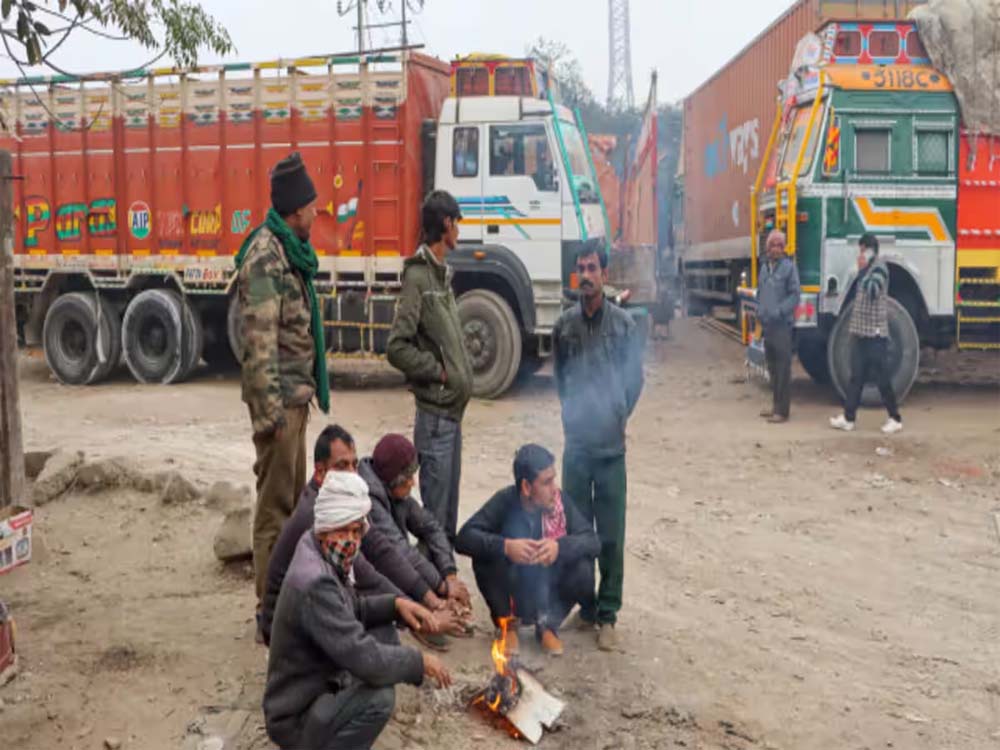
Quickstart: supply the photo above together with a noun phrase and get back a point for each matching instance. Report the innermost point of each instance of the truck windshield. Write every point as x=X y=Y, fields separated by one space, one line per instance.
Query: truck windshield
x=800 y=124
x=579 y=164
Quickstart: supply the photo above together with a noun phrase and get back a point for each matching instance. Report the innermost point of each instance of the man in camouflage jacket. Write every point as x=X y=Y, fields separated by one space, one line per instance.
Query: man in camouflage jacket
x=278 y=358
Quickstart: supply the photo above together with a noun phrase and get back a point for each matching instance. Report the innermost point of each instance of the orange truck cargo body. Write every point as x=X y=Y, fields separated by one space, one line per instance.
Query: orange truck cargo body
x=727 y=121
x=153 y=169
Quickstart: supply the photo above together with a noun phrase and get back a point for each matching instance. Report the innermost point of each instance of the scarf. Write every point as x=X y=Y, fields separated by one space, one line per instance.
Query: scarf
x=554 y=521
x=303 y=259
x=341 y=556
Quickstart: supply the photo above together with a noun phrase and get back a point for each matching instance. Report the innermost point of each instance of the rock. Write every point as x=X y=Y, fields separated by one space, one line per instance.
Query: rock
x=152 y=482
x=107 y=473
x=225 y=496
x=212 y=743
x=177 y=490
x=34 y=462
x=57 y=476
x=233 y=540
x=112 y=743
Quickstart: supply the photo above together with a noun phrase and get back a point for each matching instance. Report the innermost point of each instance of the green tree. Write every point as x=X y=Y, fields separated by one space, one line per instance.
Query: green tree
x=565 y=68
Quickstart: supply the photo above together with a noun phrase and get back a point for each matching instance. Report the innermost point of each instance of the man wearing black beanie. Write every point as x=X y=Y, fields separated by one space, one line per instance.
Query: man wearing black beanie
x=283 y=359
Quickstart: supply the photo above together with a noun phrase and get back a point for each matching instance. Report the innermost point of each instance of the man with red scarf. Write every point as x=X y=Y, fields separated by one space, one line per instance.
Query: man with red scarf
x=532 y=551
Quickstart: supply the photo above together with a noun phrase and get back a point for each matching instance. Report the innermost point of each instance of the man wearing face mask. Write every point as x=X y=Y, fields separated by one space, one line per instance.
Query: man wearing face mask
x=335 y=657
x=531 y=546
x=777 y=297
x=869 y=331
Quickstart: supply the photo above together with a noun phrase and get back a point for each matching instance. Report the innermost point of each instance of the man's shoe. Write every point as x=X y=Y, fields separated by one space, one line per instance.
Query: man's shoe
x=892 y=426
x=578 y=621
x=840 y=422
x=549 y=642
x=607 y=638
x=776 y=419
x=767 y=413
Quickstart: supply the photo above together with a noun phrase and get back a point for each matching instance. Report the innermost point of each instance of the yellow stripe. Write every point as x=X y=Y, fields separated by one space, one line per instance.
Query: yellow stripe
x=38 y=252
x=141 y=251
x=387 y=253
x=507 y=222
x=104 y=251
x=351 y=253
x=167 y=251
x=205 y=253
x=810 y=288
x=66 y=251
x=976 y=257
x=894 y=217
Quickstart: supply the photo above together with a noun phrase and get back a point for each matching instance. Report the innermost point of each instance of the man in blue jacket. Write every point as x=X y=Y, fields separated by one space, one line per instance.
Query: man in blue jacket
x=777 y=298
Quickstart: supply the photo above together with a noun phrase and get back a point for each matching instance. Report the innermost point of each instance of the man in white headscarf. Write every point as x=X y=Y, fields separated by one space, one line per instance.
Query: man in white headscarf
x=333 y=663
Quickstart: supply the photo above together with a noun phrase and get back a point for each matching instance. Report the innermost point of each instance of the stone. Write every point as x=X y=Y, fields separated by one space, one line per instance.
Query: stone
x=34 y=462
x=152 y=482
x=177 y=490
x=212 y=743
x=112 y=743
x=57 y=476
x=233 y=540
x=106 y=474
x=225 y=496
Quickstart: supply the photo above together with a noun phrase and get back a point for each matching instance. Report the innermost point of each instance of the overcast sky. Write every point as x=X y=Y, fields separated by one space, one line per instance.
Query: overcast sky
x=684 y=39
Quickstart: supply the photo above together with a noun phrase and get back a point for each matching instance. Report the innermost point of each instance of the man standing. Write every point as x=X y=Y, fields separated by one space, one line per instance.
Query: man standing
x=531 y=548
x=777 y=297
x=598 y=368
x=335 y=657
x=284 y=354
x=426 y=345
x=869 y=329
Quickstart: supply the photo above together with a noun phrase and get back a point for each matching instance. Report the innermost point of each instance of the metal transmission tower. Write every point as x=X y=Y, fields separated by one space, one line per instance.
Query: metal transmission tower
x=620 y=91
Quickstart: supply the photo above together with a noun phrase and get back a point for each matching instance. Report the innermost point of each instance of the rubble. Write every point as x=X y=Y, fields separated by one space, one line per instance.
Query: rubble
x=108 y=473
x=233 y=540
x=177 y=490
x=225 y=497
x=34 y=462
x=57 y=476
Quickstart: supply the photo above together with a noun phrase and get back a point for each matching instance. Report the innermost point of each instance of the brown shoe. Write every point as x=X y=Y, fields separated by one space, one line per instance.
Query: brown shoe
x=776 y=419
x=577 y=621
x=767 y=413
x=549 y=642
x=607 y=638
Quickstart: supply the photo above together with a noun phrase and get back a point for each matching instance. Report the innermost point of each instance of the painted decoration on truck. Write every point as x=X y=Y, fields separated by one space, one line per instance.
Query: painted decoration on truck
x=883 y=219
x=139 y=222
x=831 y=154
x=736 y=147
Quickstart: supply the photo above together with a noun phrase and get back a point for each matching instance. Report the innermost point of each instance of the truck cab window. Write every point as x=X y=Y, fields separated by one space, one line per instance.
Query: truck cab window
x=522 y=151
x=465 y=152
x=933 y=147
x=871 y=150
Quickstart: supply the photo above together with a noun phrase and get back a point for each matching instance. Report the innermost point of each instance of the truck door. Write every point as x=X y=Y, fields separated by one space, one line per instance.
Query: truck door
x=521 y=207
x=460 y=172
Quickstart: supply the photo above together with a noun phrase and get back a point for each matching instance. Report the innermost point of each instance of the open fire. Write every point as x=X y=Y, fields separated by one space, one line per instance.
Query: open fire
x=513 y=700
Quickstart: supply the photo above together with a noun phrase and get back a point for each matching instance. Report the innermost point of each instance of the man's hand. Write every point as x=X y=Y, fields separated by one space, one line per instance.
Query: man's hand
x=417 y=617
x=520 y=551
x=548 y=552
x=436 y=670
x=433 y=602
x=458 y=591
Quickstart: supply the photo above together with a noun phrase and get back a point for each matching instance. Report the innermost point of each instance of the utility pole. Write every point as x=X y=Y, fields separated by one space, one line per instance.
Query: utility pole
x=403 y=6
x=11 y=445
x=620 y=91
x=361 y=26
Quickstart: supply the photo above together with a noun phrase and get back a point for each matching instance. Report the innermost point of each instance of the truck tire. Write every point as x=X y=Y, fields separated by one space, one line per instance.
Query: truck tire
x=812 y=355
x=81 y=338
x=233 y=328
x=217 y=352
x=903 y=356
x=157 y=323
x=492 y=340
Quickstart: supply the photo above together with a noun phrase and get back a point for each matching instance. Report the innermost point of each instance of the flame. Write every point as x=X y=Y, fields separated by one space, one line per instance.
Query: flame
x=499 y=649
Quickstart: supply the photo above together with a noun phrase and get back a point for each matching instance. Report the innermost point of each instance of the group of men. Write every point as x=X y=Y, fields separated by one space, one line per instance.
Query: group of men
x=336 y=573
x=777 y=298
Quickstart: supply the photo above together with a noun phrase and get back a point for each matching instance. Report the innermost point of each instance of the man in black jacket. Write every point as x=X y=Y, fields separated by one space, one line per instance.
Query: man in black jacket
x=380 y=568
x=598 y=368
x=531 y=546
x=335 y=657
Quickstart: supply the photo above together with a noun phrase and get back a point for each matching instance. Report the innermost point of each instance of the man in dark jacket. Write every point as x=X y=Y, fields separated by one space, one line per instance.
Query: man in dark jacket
x=380 y=568
x=777 y=298
x=598 y=368
x=529 y=544
x=335 y=657
x=426 y=345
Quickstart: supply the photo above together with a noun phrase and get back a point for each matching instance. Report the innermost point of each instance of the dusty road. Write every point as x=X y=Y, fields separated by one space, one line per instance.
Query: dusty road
x=786 y=586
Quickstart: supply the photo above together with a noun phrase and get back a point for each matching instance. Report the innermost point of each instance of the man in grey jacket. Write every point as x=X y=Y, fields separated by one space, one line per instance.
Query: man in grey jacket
x=335 y=657
x=777 y=298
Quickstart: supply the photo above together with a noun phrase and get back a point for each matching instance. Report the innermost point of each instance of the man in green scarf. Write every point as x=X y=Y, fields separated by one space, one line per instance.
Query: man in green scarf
x=283 y=359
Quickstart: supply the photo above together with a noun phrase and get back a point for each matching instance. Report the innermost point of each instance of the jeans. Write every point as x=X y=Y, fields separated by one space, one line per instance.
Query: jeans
x=599 y=487
x=868 y=364
x=778 y=353
x=350 y=719
x=439 y=449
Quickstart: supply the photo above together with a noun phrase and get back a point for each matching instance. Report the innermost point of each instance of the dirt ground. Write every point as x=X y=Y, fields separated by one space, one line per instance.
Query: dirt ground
x=786 y=586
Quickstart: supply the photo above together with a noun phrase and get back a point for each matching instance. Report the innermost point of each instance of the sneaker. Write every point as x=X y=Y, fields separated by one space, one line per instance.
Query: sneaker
x=892 y=426
x=607 y=638
x=777 y=419
x=579 y=621
x=549 y=642
x=840 y=422
x=765 y=413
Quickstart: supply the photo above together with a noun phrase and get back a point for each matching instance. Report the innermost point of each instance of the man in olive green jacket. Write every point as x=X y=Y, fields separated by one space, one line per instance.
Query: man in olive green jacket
x=426 y=346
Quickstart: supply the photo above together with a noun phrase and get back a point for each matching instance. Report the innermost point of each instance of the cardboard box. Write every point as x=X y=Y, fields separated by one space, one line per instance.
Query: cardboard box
x=15 y=537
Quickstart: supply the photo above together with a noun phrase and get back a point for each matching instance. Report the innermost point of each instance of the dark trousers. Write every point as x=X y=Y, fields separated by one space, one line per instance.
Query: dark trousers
x=350 y=719
x=778 y=352
x=599 y=487
x=869 y=365
x=438 y=441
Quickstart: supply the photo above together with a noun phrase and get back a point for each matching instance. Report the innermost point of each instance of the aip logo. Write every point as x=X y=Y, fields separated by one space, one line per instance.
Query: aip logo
x=139 y=223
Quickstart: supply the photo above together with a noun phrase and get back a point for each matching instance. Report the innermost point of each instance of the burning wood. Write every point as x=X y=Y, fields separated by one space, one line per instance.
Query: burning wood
x=513 y=699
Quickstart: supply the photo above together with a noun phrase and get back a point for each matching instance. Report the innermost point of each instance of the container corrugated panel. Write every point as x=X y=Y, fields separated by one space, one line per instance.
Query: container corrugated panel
x=728 y=119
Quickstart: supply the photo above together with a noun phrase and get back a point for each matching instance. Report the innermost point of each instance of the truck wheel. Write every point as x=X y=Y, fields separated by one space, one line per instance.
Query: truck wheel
x=812 y=355
x=77 y=352
x=217 y=352
x=903 y=358
x=492 y=340
x=233 y=327
x=157 y=323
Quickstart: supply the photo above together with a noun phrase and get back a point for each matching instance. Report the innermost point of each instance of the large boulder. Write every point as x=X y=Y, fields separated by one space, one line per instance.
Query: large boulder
x=57 y=476
x=234 y=540
x=177 y=490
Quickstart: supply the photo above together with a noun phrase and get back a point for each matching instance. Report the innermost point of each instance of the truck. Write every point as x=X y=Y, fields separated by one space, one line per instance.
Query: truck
x=727 y=120
x=871 y=135
x=135 y=189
